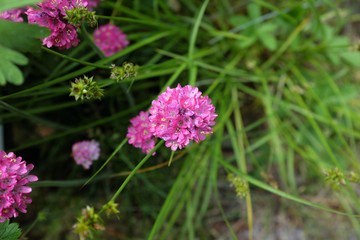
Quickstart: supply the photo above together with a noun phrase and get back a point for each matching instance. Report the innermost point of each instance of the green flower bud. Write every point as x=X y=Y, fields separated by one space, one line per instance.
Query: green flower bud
x=77 y=15
x=110 y=208
x=86 y=88
x=126 y=71
x=334 y=178
x=241 y=185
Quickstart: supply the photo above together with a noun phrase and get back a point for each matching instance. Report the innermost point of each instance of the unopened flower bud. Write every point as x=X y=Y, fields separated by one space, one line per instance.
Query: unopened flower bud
x=86 y=88
x=111 y=208
x=126 y=71
x=77 y=15
x=334 y=178
x=241 y=185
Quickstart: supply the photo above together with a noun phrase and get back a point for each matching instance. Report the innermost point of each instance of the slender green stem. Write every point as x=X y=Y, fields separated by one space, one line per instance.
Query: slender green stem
x=31 y=226
x=194 y=33
x=131 y=20
x=115 y=10
x=24 y=114
x=286 y=44
x=242 y=161
x=74 y=59
x=278 y=192
x=83 y=70
x=135 y=170
x=108 y=160
x=171 y=158
x=90 y=41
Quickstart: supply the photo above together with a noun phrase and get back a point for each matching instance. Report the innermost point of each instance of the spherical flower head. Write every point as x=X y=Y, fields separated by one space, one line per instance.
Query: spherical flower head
x=139 y=134
x=63 y=39
x=14 y=176
x=12 y=15
x=181 y=114
x=109 y=39
x=51 y=15
x=86 y=152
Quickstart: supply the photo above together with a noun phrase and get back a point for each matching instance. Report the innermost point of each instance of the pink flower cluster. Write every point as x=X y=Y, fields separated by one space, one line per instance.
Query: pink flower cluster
x=51 y=15
x=86 y=152
x=139 y=134
x=179 y=115
x=109 y=39
x=12 y=15
x=14 y=175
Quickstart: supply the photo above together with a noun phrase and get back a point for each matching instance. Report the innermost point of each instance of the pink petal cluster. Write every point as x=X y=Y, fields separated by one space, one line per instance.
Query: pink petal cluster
x=139 y=134
x=181 y=114
x=109 y=39
x=14 y=175
x=12 y=15
x=92 y=4
x=51 y=15
x=86 y=152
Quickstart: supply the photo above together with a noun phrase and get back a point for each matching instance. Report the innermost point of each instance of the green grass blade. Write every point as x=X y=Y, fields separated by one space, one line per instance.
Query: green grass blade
x=194 y=33
x=279 y=192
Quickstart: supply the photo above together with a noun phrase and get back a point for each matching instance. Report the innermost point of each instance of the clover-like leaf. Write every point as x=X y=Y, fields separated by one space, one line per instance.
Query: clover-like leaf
x=9 y=231
x=22 y=36
x=11 y=4
x=254 y=10
x=9 y=72
x=352 y=58
x=268 y=40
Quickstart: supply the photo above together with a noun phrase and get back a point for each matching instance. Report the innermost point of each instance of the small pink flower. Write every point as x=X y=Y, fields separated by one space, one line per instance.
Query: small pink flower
x=181 y=114
x=139 y=134
x=14 y=176
x=86 y=152
x=12 y=15
x=51 y=15
x=109 y=39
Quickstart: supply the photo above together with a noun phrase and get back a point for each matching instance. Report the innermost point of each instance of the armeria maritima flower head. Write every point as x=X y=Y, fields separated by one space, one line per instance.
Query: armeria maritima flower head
x=12 y=15
x=181 y=114
x=86 y=152
x=109 y=39
x=14 y=176
x=139 y=134
x=51 y=15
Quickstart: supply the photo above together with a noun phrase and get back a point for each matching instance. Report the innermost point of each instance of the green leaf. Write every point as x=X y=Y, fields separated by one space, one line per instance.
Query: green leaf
x=11 y=4
x=238 y=20
x=9 y=231
x=21 y=36
x=266 y=27
x=333 y=57
x=8 y=70
x=339 y=45
x=253 y=10
x=268 y=40
x=246 y=42
x=339 y=42
x=353 y=58
x=327 y=35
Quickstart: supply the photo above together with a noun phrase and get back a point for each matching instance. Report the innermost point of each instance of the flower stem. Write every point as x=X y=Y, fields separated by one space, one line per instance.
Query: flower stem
x=74 y=59
x=115 y=11
x=135 y=170
x=107 y=161
x=241 y=160
x=171 y=158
